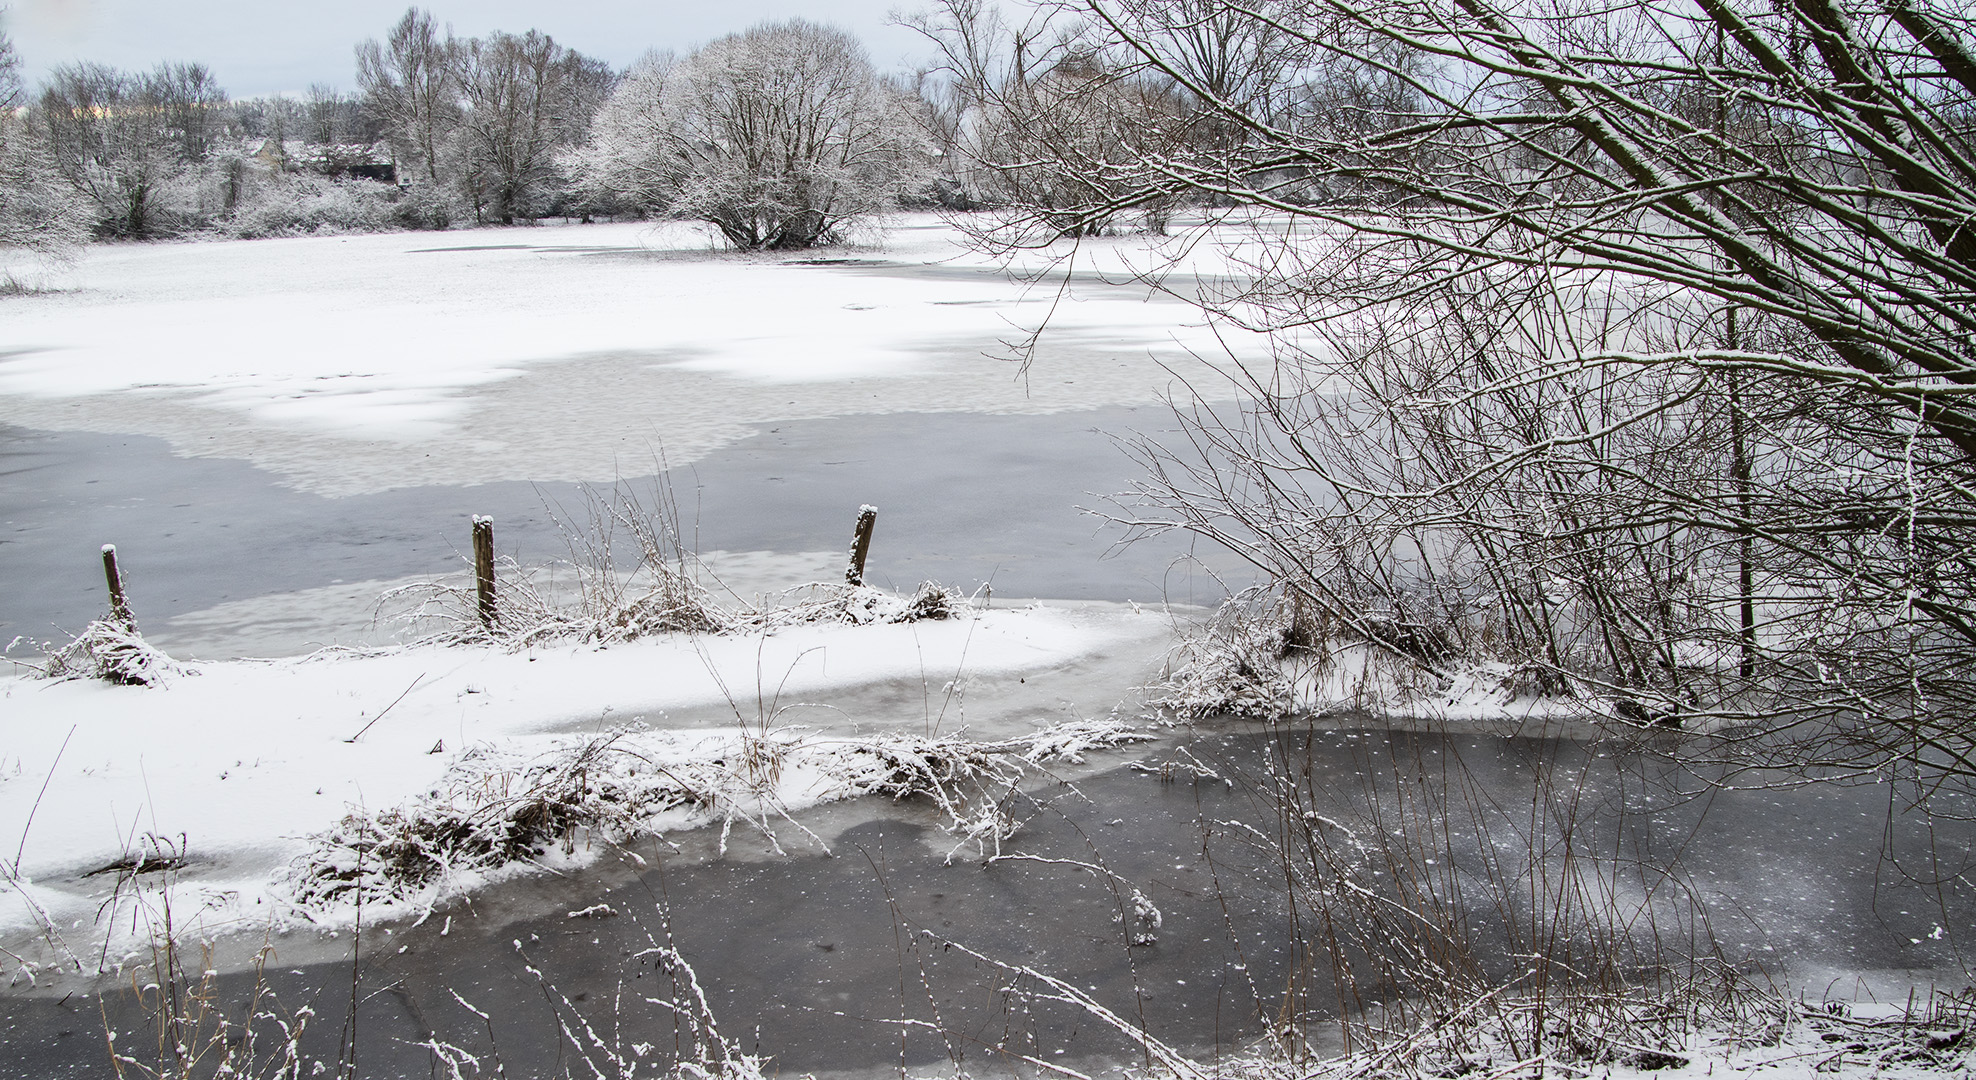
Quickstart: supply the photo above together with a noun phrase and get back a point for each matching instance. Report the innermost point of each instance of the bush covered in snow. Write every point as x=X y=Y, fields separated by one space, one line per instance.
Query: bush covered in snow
x=111 y=650
x=781 y=137
x=301 y=205
x=1261 y=657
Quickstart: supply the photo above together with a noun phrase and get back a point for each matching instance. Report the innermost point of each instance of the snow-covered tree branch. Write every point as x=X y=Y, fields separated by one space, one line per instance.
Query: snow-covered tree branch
x=1637 y=345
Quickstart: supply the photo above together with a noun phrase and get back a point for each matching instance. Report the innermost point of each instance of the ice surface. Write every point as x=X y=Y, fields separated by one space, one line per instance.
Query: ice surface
x=559 y=353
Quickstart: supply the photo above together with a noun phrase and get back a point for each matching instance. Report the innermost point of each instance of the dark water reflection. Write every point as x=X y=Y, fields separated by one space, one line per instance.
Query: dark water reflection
x=816 y=960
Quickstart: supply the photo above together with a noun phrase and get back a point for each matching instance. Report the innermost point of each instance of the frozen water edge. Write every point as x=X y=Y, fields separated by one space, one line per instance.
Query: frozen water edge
x=239 y=763
x=355 y=614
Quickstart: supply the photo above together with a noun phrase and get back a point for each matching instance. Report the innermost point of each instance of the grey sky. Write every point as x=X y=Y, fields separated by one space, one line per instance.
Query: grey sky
x=260 y=47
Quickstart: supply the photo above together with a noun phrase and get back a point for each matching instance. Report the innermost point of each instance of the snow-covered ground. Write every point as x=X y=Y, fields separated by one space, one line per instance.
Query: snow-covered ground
x=236 y=767
x=349 y=364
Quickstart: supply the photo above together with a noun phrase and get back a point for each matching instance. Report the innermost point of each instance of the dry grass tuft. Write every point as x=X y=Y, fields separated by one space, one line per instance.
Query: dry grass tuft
x=113 y=651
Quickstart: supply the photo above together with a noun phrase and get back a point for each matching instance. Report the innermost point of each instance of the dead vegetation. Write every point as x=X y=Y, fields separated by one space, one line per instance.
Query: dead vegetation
x=111 y=650
x=1264 y=656
x=496 y=812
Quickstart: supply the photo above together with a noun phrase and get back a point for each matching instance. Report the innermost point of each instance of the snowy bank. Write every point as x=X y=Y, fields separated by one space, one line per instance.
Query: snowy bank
x=231 y=771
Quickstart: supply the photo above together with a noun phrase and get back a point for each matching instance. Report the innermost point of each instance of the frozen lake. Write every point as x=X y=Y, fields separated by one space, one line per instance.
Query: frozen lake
x=274 y=432
x=259 y=420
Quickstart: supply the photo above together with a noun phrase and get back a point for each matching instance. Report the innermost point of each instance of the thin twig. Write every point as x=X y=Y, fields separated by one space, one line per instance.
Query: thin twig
x=387 y=708
x=45 y=781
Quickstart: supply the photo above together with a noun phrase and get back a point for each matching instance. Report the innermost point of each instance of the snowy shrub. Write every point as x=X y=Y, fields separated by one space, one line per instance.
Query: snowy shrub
x=1262 y=657
x=41 y=216
x=629 y=574
x=425 y=207
x=301 y=205
x=113 y=651
x=1233 y=666
x=780 y=137
x=490 y=812
x=828 y=602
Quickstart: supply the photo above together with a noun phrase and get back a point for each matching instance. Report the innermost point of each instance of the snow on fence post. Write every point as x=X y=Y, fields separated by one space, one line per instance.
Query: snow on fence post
x=119 y=605
x=483 y=568
x=861 y=543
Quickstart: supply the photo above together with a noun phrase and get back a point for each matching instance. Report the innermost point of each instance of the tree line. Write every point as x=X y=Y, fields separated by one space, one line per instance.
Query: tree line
x=779 y=136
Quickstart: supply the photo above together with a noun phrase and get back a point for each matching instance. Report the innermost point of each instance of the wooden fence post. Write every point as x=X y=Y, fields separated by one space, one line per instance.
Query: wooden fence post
x=483 y=568
x=119 y=604
x=861 y=544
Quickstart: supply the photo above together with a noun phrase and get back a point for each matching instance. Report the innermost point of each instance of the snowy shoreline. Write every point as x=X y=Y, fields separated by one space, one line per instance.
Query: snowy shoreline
x=237 y=768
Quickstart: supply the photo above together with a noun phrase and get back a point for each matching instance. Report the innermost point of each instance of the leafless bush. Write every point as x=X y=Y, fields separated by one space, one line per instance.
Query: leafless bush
x=1233 y=665
x=627 y=1041
x=304 y=205
x=1446 y=923
x=1628 y=343
x=195 y=1035
x=605 y=595
x=830 y=602
x=1267 y=656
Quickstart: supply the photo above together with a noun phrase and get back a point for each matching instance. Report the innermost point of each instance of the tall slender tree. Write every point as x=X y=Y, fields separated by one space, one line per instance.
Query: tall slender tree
x=524 y=98
x=408 y=84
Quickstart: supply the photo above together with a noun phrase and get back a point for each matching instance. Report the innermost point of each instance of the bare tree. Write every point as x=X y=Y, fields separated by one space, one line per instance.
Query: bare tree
x=779 y=137
x=524 y=98
x=1635 y=347
x=408 y=85
x=332 y=117
x=192 y=107
x=123 y=139
x=11 y=94
x=1052 y=114
x=39 y=213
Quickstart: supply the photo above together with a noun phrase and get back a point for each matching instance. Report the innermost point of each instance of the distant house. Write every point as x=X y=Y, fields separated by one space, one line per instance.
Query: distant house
x=334 y=160
x=383 y=173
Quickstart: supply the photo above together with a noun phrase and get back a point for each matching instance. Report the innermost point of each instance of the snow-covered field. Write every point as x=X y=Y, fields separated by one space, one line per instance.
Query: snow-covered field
x=237 y=767
x=348 y=364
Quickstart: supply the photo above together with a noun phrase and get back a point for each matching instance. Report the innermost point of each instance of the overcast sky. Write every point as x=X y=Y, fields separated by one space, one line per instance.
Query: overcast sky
x=260 y=47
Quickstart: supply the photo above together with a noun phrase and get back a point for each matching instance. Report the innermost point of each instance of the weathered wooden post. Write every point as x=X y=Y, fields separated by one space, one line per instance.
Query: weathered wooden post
x=483 y=568
x=861 y=543
x=119 y=605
